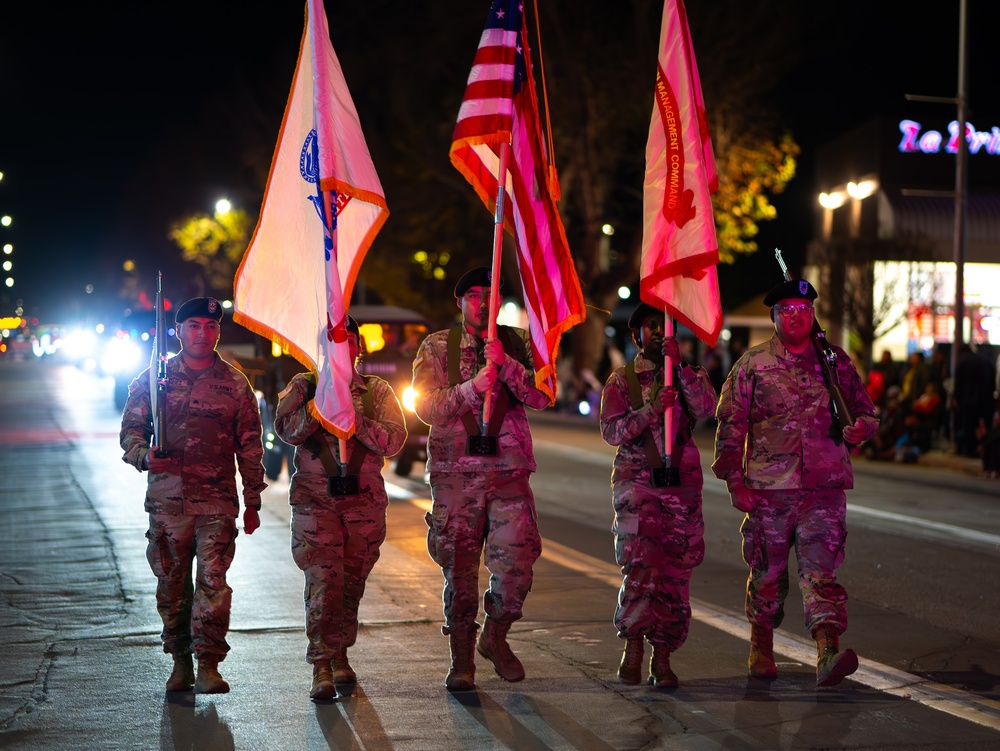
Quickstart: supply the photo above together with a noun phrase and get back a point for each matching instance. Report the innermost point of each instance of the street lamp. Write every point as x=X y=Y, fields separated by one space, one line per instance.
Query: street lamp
x=222 y=206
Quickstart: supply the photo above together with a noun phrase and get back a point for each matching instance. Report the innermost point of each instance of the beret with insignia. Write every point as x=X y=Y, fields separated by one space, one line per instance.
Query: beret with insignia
x=479 y=277
x=199 y=307
x=790 y=290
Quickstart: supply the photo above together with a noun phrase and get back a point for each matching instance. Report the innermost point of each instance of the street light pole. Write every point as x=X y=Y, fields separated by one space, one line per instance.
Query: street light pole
x=961 y=187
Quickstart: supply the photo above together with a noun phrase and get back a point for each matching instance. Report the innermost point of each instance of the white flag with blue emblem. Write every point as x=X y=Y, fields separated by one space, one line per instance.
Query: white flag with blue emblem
x=295 y=281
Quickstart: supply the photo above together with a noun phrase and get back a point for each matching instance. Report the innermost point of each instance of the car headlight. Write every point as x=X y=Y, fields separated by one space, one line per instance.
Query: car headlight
x=409 y=398
x=123 y=356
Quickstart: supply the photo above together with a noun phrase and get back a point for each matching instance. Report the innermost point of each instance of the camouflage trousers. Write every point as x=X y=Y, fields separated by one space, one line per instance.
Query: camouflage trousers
x=659 y=539
x=476 y=514
x=813 y=521
x=195 y=613
x=336 y=544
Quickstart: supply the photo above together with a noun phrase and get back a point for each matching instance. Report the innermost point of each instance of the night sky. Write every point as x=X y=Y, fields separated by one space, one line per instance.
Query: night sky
x=116 y=118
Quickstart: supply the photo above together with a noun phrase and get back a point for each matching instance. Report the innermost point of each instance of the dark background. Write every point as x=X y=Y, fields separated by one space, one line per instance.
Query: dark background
x=118 y=118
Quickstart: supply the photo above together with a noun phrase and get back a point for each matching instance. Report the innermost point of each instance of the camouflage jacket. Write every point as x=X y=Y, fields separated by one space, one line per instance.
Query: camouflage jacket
x=211 y=417
x=625 y=427
x=382 y=435
x=440 y=405
x=775 y=419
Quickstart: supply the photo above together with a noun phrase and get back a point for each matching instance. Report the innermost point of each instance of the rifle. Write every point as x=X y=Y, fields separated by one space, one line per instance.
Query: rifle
x=842 y=415
x=158 y=395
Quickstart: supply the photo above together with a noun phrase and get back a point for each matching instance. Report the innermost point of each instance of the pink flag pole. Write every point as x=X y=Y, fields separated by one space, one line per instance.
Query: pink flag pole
x=668 y=382
x=495 y=275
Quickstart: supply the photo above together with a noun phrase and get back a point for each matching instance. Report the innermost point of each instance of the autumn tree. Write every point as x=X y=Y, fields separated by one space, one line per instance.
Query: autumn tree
x=216 y=244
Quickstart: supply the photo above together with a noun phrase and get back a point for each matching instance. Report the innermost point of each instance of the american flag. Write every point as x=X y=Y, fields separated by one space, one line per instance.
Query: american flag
x=501 y=106
x=679 y=247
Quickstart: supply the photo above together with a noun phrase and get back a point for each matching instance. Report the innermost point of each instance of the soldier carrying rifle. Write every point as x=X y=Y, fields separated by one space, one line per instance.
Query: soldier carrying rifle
x=788 y=412
x=209 y=424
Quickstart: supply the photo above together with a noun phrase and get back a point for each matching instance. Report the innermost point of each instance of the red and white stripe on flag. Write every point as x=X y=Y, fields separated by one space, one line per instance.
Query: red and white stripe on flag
x=500 y=106
x=295 y=281
x=680 y=251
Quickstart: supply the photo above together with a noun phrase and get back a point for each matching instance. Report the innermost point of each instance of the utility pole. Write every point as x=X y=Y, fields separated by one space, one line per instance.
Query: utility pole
x=961 y=179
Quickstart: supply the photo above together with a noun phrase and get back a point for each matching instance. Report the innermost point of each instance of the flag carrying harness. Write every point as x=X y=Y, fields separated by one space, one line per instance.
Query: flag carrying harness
x=359 y=452
x=648 y=442
x=512 y=347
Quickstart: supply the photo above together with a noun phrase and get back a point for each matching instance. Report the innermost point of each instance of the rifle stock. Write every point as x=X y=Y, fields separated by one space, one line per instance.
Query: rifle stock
x=842 y=415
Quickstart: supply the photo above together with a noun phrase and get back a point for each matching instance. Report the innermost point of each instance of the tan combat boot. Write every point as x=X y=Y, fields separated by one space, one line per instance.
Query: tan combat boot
x=494 y=647
x=182 y=677
x=322 y=685
x=462 y=676
x=660 y=674
x=209 y=681
x=342 y=670
x=832 y=665
x=630 y=671
x=761 y=662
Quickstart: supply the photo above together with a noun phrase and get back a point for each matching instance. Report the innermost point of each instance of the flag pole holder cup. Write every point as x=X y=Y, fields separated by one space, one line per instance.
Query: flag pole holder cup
x=481 y=445
x=343 y=485
x=666 y=476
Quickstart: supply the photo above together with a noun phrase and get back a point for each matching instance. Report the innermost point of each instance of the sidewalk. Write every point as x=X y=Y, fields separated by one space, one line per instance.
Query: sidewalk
x=946 y=460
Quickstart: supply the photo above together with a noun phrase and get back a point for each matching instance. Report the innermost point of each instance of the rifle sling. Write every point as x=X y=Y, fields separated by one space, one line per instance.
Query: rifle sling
x=653 y=454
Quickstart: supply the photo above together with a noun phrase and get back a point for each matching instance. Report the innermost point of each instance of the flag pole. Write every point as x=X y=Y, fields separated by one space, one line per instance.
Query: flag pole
x=668 y=382
x=495 y=275
x=328 y=209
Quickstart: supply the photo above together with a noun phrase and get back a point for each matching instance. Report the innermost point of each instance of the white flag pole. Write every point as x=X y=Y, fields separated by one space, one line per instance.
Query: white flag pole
x=329 y=208
x=495 y=276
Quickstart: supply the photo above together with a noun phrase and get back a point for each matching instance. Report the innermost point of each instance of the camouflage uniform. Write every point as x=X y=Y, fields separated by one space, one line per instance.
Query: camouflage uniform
x=336 y=539
x=212 y=415
x=659 y=532
x=774 y=437
x=479 y=500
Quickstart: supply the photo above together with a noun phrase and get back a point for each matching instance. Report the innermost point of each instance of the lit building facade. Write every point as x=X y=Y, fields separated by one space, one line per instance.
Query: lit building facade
x=883 y=257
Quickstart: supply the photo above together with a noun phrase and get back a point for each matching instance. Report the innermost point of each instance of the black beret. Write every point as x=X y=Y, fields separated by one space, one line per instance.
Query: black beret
x=789 y=290
x=639 y=315
x=199 y=307
x=479 y=277
x=352 y=327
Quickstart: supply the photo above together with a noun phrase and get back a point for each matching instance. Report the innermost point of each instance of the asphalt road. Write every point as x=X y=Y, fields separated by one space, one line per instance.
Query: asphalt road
x=81 y=666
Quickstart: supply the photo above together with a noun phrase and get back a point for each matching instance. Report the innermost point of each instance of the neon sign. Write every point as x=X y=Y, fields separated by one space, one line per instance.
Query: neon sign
x=931 y=141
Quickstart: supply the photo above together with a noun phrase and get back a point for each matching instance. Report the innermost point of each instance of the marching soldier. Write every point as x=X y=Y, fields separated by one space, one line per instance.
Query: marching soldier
x=191 y=497
x=482 y=499
x=338 y=519
x=658 y=527
x=787 y=466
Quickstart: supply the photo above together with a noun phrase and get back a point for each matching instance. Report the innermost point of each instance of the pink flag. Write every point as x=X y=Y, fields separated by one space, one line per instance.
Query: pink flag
x=679 y=248
x=500 y=106
x=296 y=278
